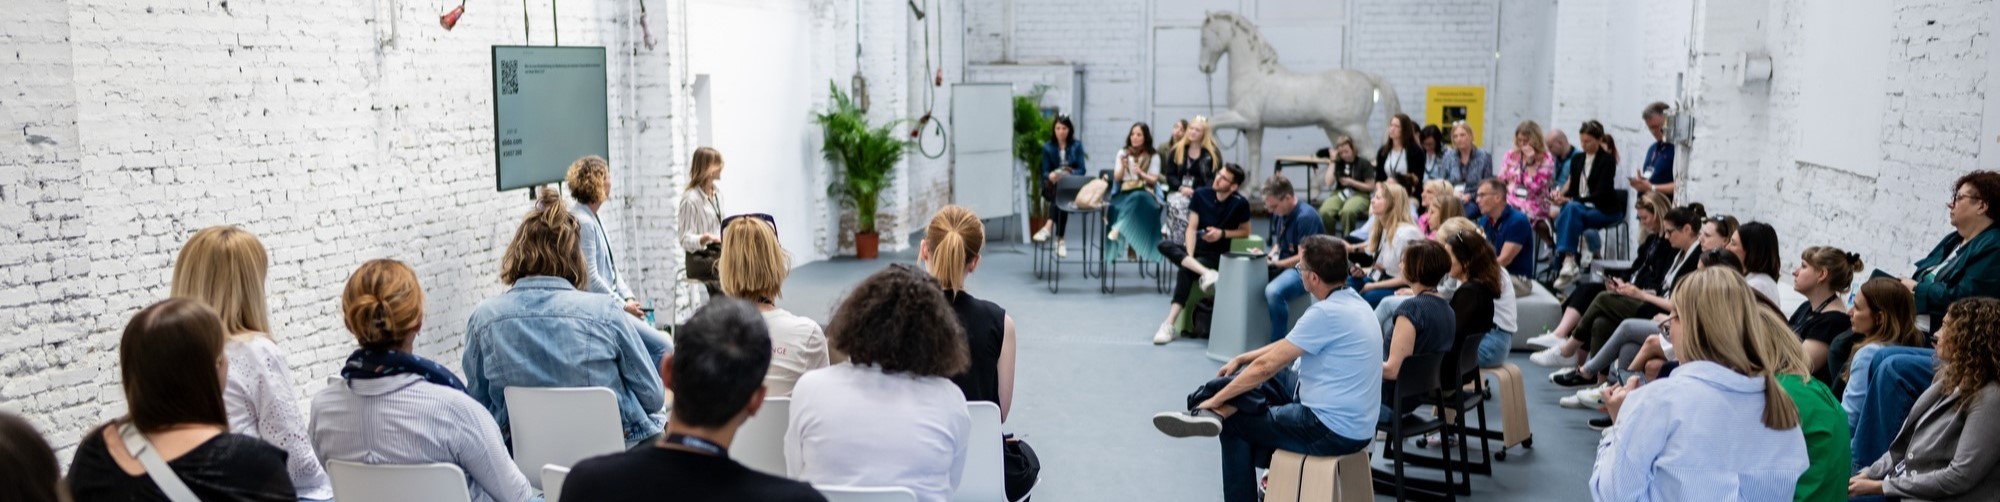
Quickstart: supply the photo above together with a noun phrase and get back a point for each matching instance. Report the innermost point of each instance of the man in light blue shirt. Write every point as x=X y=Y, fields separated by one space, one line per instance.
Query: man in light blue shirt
x=1328 y=409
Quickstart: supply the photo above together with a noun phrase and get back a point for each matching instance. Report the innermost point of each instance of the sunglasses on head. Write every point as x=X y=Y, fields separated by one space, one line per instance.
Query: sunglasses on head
x=773 y=222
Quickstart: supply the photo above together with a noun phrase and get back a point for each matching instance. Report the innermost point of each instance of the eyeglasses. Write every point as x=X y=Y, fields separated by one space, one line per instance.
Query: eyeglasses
x=768 y=220
x=1958 y=197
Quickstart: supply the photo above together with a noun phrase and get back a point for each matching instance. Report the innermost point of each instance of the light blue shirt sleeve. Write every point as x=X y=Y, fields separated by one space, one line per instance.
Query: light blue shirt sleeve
x=1314 y=331
x=1625 y=457
x=1857 y=382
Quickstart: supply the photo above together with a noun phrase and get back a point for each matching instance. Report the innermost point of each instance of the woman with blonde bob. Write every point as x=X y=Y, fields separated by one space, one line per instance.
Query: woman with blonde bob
x=546 y=331
x=224 y=267
x=753 y=268
x=397 y=408
x=1726 y=392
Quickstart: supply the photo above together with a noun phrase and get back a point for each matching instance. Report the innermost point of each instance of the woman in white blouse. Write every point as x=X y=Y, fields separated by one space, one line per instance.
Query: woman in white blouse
x=1722 y=428
x=700 y=216
x=1394 y=229
x=394 y=407
x=890 y=416
x=753 y=268
x=224 y=267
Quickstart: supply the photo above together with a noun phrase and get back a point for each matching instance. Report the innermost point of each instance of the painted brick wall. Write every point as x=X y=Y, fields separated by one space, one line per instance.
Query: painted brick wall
x=1421 y=43
x=336 y=134
x=1108 y=39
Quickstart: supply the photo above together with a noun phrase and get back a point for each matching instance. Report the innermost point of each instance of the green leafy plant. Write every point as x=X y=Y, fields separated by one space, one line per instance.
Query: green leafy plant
x=864 y=155
x=1031 y=129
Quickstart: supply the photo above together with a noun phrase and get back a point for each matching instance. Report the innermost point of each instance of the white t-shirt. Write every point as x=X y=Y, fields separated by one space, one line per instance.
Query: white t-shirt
x=1505 y=315
x=797 y=346
x=1391 y=254
x=853 y=425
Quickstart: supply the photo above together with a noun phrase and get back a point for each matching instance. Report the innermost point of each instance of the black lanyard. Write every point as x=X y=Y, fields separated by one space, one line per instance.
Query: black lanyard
x=1800 y=324
x=697 y=444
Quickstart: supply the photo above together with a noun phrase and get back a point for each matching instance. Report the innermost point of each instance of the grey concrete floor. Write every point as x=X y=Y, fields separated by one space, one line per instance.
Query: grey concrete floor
x=1089 y=379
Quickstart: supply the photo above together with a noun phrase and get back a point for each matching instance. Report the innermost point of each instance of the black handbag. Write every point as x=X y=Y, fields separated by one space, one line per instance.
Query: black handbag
x=1022 y=467
x=701 y=263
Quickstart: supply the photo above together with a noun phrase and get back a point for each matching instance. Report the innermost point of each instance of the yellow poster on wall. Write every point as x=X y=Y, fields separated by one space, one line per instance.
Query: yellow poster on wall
x=1447 y=104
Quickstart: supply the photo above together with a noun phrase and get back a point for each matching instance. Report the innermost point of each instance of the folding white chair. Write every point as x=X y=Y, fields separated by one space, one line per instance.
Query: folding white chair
x=561 y=426
x=398 y=483
x=866 y=494
x=552 y=482
x=984 y=479
x=760 y=443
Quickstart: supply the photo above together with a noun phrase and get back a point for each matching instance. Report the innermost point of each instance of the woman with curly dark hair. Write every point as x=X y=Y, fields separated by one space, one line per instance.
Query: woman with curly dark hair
x=891 y=415
x=1945 y=451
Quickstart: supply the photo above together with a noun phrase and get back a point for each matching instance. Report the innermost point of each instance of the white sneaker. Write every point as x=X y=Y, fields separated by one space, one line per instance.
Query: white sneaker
x=1592 y=394
x=1551 y=357
x=1587 y=258
x=1586 y=399
x=1113 y=235
x=1568 y=274
x=1208 y=281
x=1062 y=249
x=1546 y=340
x=1042 y=235
x=1165 y=334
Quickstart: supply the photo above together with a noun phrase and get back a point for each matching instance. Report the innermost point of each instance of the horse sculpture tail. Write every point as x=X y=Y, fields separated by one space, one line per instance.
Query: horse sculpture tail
x=1389 y=102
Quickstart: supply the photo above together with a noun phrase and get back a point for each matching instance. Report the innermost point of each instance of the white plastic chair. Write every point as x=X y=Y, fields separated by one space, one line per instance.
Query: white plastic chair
x=398 y=483
x=984 y=479
x=760 y=443
x=552 y=482
x=561 y=426
x=866 y=494
x=336 y=380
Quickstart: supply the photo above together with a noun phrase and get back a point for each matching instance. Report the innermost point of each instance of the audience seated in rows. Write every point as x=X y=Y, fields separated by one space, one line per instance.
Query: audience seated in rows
x=1634 y=344
x=175 y=418
x=1628 y=301
x=224 y=267
x=547 y=331
x=1723 y=425
x=32 y=472
x=1945 y=450
x=1216 y=214
x=890 y=416
x=1393 y=230
x=1291 y=223
x=753 y=268
x=717 y=373
x=1257 y=405
x=1647 y=270
x=394 y=407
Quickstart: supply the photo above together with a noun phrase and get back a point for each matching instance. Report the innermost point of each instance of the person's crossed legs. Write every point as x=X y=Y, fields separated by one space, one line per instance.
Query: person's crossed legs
x=1254 y=425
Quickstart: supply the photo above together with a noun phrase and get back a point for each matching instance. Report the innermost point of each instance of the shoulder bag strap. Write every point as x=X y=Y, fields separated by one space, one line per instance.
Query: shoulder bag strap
x=156 y=467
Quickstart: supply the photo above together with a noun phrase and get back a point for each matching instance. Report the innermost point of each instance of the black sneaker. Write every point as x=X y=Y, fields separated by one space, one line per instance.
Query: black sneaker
x=1182 y=424
x=1572 y=378
x=1600 y=423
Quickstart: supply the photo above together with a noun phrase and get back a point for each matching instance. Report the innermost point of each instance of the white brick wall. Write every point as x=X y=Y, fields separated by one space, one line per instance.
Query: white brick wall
x=336 y=134
x=1420 y=43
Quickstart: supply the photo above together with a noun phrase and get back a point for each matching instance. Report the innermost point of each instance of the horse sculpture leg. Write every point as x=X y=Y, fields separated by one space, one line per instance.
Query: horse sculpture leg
x=1255 y=138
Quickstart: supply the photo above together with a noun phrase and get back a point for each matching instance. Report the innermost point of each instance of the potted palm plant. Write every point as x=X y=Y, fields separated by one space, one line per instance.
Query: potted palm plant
x=1031 y=129
x=863 y=156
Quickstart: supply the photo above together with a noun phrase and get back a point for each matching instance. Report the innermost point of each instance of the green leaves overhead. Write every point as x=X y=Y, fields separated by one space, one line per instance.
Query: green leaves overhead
x=863 y=156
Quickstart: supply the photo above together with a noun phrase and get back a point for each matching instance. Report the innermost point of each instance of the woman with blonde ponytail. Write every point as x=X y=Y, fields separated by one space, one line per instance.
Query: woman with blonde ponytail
x=950 y=249
x=753 y=268
x=397 y=408
x=1723 y=426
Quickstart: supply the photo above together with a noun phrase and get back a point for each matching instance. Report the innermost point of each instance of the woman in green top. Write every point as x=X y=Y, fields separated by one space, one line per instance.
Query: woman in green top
x=1820 y=418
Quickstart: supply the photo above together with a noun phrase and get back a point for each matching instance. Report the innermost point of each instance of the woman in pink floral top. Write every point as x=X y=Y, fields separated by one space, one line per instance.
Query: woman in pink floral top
x=1529 y=172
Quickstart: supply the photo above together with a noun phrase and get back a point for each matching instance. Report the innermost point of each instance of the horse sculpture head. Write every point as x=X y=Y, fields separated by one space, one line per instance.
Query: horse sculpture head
x=1216 y=33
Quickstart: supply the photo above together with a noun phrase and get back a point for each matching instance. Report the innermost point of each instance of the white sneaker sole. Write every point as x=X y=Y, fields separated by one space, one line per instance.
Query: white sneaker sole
x=1552 y=360
x=1182 y=425
x=1545 y=340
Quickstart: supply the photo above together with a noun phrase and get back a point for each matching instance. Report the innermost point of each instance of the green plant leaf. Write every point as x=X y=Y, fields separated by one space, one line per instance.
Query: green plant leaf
x=864 y=156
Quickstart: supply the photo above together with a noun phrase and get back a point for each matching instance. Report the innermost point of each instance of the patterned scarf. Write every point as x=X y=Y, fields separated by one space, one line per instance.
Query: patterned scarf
x=377 y=363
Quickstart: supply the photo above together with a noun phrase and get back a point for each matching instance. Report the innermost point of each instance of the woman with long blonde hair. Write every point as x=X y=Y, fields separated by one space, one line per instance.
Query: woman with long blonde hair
x=224 y=267
x=951 y=250
x=1190 y=164
x=754 y=267
x=1393 y=230
x=1725 y=392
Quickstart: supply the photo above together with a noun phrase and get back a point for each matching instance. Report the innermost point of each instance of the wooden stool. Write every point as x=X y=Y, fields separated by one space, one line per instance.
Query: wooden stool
x=1298 y=477
x=1513 y=408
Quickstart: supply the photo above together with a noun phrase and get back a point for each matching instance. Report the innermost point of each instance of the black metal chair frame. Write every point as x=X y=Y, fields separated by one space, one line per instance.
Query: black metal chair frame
x=1416 y=382
x=1047 y=265
x=1107 y=282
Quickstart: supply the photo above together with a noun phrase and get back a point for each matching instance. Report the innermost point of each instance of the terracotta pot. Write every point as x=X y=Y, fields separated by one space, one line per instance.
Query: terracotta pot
x=866 y=244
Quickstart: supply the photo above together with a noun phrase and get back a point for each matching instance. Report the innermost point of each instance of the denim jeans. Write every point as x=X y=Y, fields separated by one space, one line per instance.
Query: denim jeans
x=1267 y=419
x=1576 y=218
x=1898 y=376
x=1278 y=294
x=1494 y=346
x=1374 y=297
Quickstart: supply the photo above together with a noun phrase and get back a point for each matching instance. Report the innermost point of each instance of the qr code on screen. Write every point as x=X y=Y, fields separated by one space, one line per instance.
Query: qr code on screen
x=510 y=82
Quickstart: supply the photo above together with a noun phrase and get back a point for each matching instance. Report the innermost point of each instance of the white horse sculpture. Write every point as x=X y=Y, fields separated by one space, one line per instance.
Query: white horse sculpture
x=1264 y=94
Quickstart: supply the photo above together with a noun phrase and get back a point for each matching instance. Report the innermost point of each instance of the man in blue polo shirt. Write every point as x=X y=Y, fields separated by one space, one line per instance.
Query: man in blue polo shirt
x=1291 y=223
x=1510 y=232
x=1658 y=171
x=1338 y=386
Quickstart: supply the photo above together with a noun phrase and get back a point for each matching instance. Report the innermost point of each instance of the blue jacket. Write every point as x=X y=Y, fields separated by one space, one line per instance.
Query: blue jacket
x=543 y=332
x=1050 y=159
x=596 y=247
x=1302 y=223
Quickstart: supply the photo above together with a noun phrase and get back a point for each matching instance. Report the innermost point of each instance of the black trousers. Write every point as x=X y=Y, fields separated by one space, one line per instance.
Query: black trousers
x=1060 y=218
x=1184 y=279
